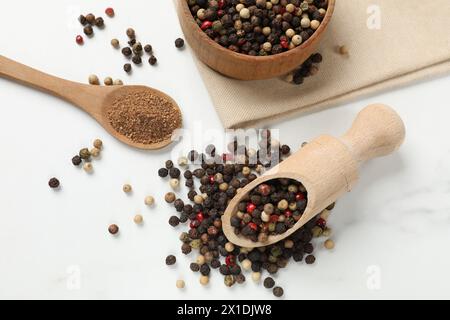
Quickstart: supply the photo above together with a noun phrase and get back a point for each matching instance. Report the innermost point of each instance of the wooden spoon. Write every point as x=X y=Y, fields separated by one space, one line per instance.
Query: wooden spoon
x=328 y=166
x=95 y=100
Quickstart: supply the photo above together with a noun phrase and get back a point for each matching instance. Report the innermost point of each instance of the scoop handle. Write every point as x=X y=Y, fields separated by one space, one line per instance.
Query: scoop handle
x=377 y=131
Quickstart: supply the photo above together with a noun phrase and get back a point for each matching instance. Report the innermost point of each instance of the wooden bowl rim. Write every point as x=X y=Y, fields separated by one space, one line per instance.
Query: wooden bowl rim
x=244 y=57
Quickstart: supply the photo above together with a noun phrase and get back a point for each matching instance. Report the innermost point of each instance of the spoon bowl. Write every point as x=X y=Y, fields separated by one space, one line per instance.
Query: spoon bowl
x=95 y=100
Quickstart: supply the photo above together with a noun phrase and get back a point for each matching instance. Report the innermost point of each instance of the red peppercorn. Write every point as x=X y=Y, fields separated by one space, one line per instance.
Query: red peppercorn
x=253 y=226
x=264 y=189
x=321 y=223
x=299 y=196
x=230 y=260
x=220 y=13
x=79 y=39
x=200 y=217
x=192 y=225
x=211 y=179
x=284 y=44
x=221 y=4
x=282 y=10
x=206 y=25
x=274 y=218
x=110 y=12
x=288 y=213
x=251 y=207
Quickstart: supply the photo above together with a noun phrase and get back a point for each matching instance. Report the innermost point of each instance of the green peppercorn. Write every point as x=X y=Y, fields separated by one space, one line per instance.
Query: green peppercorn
x=85 y=154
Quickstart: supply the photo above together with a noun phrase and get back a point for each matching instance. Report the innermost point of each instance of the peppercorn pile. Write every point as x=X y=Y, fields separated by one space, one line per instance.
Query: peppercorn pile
x=270 y=209
x=220 y=177
x=89 y=21
x=259 y=27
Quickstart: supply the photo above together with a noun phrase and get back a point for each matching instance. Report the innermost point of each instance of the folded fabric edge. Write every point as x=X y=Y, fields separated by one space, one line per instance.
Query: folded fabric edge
x=431 y=71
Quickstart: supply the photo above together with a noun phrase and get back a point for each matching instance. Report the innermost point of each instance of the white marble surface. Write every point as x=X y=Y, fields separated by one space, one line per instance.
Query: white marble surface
x=391 y=232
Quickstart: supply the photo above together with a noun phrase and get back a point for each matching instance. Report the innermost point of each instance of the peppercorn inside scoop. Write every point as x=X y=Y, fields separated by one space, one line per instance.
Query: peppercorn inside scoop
x=271 y=208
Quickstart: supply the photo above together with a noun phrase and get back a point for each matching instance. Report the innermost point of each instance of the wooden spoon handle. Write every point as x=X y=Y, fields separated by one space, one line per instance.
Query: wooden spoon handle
x=62 y=88
x=377 y=131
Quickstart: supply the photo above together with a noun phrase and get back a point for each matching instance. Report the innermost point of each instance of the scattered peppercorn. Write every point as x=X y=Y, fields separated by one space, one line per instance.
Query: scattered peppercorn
x=310 y=259
x=138 y=219
x=136 y=60
x=99 y=22
x=149 y=200
x=76 y=160
x=174 y=221
x=171 y=260
x=131 y=33
x=110 y=12
x=113 y=229
x=179 y=43
x=79 y=39
x=127 y=67
x=170 y=197
x=127 y=51
x=95 y=152
x=53 y=183
x=82 y=20
x=98 y=144
x=343 y=50
x=108 y=81
x=278 y=292
x=152 y=60
x=163 y=172
x=88 y=167
x=118 y=82
x=127 y=188
x=115 y=43
x=329 y=244
x=93 y=79
x=180 y=284
x=85 y=154
x=88 y=31
x=269 y=283
x=148 y=48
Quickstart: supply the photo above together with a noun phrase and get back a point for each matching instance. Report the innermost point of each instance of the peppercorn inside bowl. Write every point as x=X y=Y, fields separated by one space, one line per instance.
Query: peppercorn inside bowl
x=260 y=40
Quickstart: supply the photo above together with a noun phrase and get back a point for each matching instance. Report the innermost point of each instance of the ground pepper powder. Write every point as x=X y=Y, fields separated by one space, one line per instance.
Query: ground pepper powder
x=144 y=117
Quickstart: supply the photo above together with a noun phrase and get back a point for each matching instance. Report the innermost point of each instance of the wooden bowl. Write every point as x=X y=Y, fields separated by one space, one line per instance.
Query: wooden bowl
x=241 y=66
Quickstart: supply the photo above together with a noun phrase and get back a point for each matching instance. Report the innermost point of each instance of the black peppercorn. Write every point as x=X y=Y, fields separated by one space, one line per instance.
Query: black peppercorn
x=163 y=172
x=205 y=269
x=285 y=149
x=136 y=59
x=269 y=283
x=99 y=22
x=179 y=43
x=132 y=42
x=148 y=48
x=127 y=51
x=310 y=259
x=174 y=173
x=88 y=31
x=76 y=160
x=186 y=248
x=171 y=260
x=82 y=20
x=127 y=67
x=53 y=183
x=278 y=292
x=152 y=60
x=195 y=267
x=174 y=221
x=90 y=18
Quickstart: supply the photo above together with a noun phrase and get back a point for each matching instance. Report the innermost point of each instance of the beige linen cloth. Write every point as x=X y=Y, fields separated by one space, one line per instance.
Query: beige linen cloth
x=413 y=42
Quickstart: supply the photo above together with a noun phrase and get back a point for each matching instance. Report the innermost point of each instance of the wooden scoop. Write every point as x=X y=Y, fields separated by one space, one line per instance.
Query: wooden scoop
x=328 y=166
x=95 y=100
